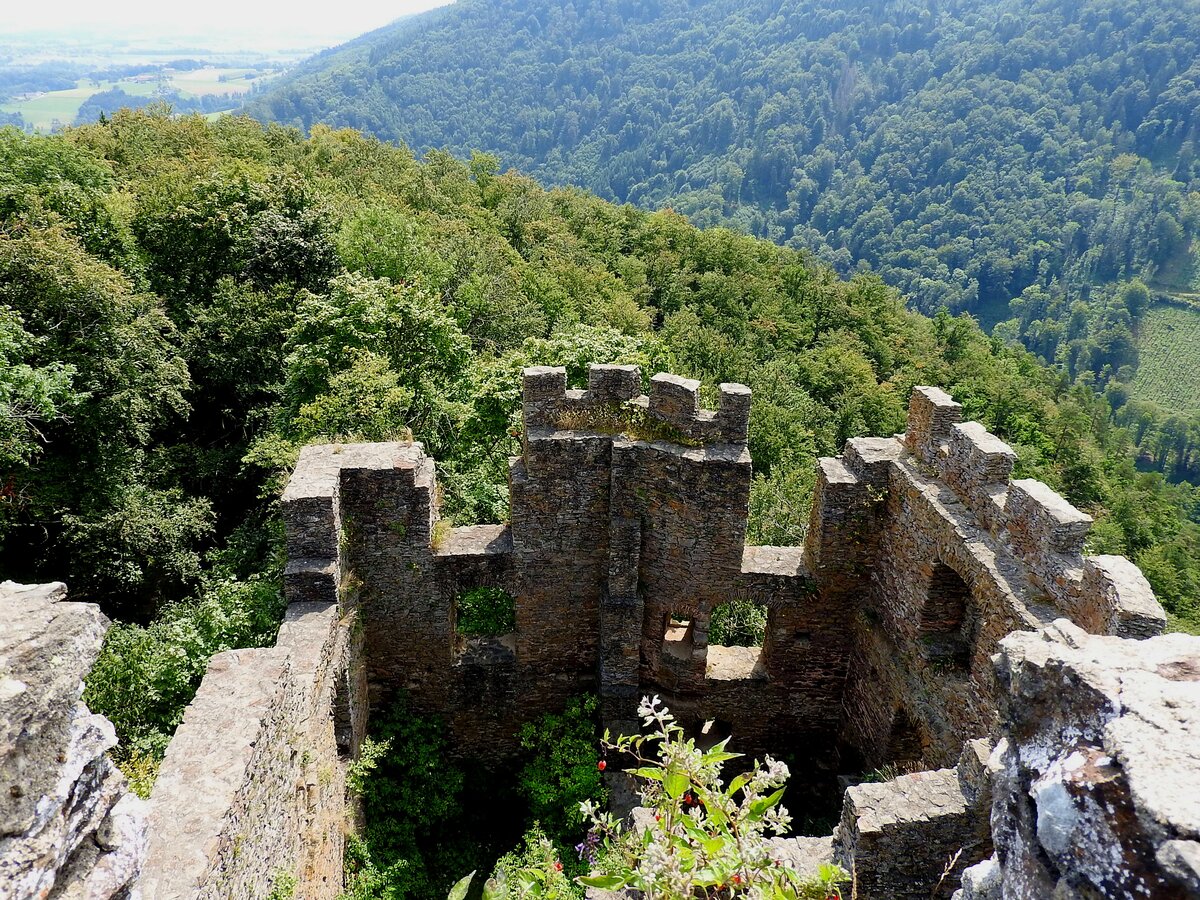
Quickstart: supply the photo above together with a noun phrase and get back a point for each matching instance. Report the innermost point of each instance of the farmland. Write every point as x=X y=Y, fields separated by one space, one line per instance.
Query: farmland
x=52 y=108
x=1169 y=358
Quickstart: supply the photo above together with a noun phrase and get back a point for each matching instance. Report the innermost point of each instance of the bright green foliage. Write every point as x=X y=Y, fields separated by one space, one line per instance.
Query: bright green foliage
x=537 y=868
x=738 y=623
x=706 y=834
x=485 y=610
x=146 y=675
x=283 y=886
x=419 y=836
x=29 y=396
x=561 y=772
x=1168 y=371
x=216 y=295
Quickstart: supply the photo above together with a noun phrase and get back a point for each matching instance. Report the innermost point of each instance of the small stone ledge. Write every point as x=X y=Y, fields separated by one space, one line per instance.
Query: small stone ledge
x=735 y=664
x=1039 y=519
x=614 y=384
x=870 y=458
x=897 y=837
x=476 y=541
x=977 y=467
x=311 y=581
x=804 y=855
x=310 y=501
x=777 y=562
x=309 y=633
x=195 y=812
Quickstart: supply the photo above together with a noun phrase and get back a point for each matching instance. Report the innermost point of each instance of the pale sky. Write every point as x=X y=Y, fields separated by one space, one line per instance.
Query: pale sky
x=268 y=19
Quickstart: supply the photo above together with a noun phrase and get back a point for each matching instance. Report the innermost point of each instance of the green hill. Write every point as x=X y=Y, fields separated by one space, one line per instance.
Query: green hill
x=971 y=153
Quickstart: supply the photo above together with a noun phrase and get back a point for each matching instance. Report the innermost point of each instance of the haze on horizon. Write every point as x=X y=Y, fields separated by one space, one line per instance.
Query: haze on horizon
x=259 y=21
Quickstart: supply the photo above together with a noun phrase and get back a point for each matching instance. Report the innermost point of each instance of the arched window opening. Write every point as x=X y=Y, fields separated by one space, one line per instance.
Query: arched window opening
x=946 y=620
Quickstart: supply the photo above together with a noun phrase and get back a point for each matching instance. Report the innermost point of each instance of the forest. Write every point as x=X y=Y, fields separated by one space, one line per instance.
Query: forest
x=185 y=304
x=1016 y=160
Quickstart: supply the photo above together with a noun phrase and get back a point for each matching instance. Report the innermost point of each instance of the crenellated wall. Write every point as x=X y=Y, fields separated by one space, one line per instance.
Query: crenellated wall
x=627 y=531
x=952 y=556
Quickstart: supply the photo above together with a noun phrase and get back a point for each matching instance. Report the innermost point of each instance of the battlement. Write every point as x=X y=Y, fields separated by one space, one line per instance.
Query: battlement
x=614 y=403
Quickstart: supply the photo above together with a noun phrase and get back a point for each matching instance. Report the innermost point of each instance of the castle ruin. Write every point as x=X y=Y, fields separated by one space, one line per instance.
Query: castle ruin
x=921 y=626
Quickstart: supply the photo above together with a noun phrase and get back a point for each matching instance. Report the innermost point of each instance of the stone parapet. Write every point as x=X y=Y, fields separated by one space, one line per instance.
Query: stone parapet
x=910 y=838
x=613 y=404
x=931 y=414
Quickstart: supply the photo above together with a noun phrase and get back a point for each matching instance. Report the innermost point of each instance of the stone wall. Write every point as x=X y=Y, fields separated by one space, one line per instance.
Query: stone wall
x=1097 y=770
x=628 y=510
x=69 y=828
x=951 y=557
x=627 y=530
x=252 y=792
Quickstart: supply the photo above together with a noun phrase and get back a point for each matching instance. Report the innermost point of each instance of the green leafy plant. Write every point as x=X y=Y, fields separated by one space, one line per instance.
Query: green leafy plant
x=562 y=770
x=699 y=836
x=486 y=610
x=283 y=886
x=535 y=868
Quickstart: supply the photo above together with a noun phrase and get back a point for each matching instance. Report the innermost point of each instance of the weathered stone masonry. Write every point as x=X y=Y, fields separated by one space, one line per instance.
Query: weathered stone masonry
x=627 y=531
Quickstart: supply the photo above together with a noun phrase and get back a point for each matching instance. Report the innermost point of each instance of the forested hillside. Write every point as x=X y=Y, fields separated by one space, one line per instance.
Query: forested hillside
x=970 y=152
x=184 y=304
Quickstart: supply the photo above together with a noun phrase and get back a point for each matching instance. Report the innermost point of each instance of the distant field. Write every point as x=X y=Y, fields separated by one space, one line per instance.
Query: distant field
x=1169 y=358
x=45 y=110
x=208 y=81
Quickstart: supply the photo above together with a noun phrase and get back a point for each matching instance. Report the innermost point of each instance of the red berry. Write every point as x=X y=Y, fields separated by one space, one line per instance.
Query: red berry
x=558 y=867
x=602 y=765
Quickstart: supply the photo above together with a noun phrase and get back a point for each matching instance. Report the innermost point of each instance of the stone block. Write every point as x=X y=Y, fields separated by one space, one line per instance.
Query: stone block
x=613 y=384
x=899 y=836
x=733 y=413
x=540 y=383
x=543 y=393
x=1117 y=599
x=1097 y=763
x=976 y=457
x=1040 y=520
x=870 y=458
x=931 y=413
x=311 y=581
x=68 y=826
x=675 y=400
